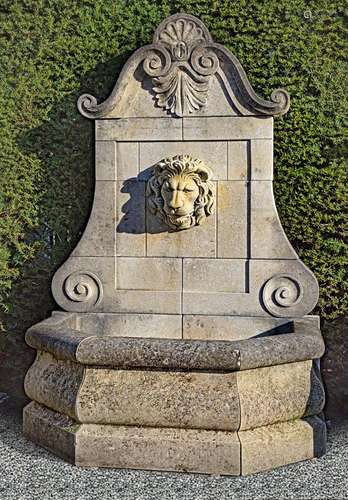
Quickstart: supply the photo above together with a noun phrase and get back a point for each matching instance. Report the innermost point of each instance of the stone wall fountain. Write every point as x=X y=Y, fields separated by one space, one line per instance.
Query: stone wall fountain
x=183 y=342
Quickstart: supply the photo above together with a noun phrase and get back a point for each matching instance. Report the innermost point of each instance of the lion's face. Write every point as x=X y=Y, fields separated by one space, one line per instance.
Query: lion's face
x=179 y=195
x=180 y=192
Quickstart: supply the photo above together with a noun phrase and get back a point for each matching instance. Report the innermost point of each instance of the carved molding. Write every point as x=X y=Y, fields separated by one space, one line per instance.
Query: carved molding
x=180 y=192
x=84 y=287
x=181 y=62
x=281 y=294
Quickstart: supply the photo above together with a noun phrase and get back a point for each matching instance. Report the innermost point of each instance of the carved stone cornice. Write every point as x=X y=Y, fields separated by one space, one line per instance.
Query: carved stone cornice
x=181 y=62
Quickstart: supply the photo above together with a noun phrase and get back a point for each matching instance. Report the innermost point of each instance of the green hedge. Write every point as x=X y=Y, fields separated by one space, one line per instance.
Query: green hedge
x=52 y=51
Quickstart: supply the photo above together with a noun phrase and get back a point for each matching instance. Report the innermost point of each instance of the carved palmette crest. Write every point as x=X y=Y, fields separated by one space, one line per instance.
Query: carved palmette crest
x=181 y=65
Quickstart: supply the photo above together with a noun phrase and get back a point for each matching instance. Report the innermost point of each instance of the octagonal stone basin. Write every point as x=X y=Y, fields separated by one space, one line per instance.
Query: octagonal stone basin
x=119 y=340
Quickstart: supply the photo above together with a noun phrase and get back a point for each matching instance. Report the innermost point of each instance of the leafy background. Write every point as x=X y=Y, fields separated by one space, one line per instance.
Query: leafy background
x=54 y=50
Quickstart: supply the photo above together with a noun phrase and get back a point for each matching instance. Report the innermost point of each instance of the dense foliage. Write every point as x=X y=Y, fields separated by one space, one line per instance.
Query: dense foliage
x=51 y=51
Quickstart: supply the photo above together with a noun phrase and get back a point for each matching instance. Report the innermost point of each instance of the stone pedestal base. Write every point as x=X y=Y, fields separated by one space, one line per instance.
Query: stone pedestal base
x=216 y=407
x=175 y=449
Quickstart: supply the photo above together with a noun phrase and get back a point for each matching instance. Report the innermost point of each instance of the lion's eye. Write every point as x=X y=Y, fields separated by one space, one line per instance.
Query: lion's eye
x=188 y=190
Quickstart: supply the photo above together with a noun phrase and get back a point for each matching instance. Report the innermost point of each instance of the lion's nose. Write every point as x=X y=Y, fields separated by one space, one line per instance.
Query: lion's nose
x=176 y=200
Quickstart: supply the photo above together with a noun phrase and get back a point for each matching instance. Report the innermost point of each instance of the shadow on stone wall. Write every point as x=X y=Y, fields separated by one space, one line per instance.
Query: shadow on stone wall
x=64 y=143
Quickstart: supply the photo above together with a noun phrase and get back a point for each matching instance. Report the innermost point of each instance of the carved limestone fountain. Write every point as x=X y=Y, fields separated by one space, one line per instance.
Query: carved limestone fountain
x=184 y=341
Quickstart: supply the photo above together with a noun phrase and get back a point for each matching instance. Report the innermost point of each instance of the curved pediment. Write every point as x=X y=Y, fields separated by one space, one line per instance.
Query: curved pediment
x=183 y=73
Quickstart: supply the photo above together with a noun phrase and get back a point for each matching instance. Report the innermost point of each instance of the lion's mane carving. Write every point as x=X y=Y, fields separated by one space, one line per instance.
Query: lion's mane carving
x=180 y=191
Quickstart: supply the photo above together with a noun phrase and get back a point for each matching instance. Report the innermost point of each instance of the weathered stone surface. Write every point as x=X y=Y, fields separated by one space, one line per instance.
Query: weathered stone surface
x=132 y=325
x=261 y=159
x=105 y=161
x=204 y=327
x=159 y=399
x=280 y=444
x=159 y=353
x=303 y=343
x=127 y=158
x=167 y=449
x=214 y=155
x=135 y=273
x=147 y=301
x=216 y=275
x=227 y=128
x=211 y=452
x=232 y=220
x=139 y=129
x=130 y=218
x=274 y=394
x=54 y=383
x=268 y=239
x=98 y=238
x=238 y=161
x=49 y=429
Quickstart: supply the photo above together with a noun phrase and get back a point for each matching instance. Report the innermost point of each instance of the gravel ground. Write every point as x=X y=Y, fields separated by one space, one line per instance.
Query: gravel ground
x=29 y=472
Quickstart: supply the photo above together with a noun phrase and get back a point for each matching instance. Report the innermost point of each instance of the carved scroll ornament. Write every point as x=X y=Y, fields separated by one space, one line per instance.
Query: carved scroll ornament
x=182 y=66
x=180 y=192
x=181 y=62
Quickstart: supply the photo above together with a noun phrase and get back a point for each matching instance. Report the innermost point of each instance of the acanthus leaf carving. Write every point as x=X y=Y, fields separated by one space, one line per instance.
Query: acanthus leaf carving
x=183 y=87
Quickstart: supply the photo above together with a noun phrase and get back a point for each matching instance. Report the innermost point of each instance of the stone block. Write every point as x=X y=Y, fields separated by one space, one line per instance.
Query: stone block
x=232 y=220
x=213 y=153
x=215 y=275
x=51 y=430
x=274 y=394
x=54 y=383
x=195 y=400
x=132 y=325
x=217 y=303
x=261 y=153
x=225 y=128
x=204 y=327
x=237 y=160
x=98 y=238
x=167 y=449
x=280 y=444
x=105 y=161
x=268 y=239
x=146 y=301
x=139 y=129
x=156 y=273
x=130 y=218
x=127 y=158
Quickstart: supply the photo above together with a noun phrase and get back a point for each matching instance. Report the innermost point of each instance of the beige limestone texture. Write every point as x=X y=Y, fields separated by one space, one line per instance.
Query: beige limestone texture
x=139 y=129
x=159 y=399
x=237 y=160
x=105 y=161
x=227 y=128
x=276 y=445
x=274 y=394
x=54 y=383
x=130 y=219
x=132 y=325
x=127 y=158
x=215 y=275
x=156 y=274
x=98 y=239
x=261 y=153
x=232 y=221
x=205 y=327
x=213 y=153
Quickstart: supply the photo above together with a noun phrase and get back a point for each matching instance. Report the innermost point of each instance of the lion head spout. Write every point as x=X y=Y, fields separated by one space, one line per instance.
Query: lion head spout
x=180 y=191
